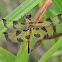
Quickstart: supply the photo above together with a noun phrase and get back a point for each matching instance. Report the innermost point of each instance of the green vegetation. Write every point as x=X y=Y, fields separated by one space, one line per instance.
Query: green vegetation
x=22 y=55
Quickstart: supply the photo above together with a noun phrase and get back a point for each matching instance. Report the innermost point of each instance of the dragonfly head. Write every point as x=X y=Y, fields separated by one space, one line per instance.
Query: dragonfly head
x=28 y=16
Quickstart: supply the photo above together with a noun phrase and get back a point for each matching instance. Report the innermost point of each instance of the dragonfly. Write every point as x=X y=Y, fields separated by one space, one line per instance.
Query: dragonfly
x=20 y=31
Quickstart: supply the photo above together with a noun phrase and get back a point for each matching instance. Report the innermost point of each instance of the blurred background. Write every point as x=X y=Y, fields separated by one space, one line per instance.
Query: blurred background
x=7 y=6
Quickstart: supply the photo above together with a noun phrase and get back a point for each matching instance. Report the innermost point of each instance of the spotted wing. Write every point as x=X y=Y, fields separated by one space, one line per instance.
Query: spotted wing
x=12 y=25
x=16 y=30
x=48 y=27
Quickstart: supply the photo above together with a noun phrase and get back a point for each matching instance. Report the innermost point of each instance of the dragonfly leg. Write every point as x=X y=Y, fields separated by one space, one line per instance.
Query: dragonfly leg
x=39 y=41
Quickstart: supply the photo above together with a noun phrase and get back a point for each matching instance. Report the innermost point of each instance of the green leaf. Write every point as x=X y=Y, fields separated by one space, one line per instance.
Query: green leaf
x=58 y=4
x=51 y=50
x=22 y=9
x=5 y=56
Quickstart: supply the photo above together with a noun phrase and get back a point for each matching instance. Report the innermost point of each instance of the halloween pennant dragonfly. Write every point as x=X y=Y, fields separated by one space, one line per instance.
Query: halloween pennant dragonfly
x=44 y=29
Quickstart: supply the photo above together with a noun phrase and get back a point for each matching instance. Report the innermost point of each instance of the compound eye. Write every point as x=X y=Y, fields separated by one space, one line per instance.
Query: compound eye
x=28 y=16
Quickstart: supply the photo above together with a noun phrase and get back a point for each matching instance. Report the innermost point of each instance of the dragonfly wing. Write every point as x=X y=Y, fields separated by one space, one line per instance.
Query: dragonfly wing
x=14 y=36
x=17 y=32
x=48 y=27
x=42 y=32
x=12 y=25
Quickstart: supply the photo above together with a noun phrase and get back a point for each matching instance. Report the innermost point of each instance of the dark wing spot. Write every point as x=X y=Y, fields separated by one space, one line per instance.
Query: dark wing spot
x=46 y=36
x=52 y=24
x=44 y=29
x=37 y=28
x=24 y=30
x=6 y=36
x=48 y=19
x=37 y=35
x=40 y=22
x=17 y=33
x=23 y=23
x=28 y=36
x=60 y=18
x=54 y=28
x=14 y=23
x=4 y=20
x=5 y=23
x=19 y=40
